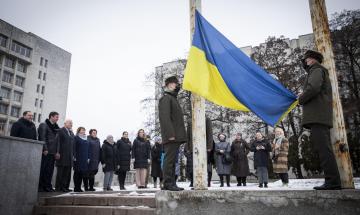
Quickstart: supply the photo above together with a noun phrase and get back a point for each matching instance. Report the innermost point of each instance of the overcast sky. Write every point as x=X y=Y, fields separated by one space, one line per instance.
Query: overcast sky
x=114 y=43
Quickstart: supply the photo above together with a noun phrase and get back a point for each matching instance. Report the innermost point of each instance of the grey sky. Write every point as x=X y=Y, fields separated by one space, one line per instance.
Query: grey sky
x=114 y=43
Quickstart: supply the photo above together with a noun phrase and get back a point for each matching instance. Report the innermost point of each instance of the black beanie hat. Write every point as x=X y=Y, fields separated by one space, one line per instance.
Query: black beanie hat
x=172 y=79
x=313 y=54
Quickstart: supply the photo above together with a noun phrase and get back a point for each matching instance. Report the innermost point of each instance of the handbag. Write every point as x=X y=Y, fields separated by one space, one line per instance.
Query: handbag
x=227 y=159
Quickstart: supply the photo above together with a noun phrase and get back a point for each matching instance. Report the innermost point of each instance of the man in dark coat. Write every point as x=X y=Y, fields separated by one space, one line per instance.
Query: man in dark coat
x=316 y=100
x=210 y=152
x=47 y=133
x=124 y=158
x=240 y=167
x=172 y=130
x=24 y=127
x=65 y=156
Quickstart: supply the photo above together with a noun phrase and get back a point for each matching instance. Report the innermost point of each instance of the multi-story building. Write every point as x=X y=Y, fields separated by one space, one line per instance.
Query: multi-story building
x=34 y=76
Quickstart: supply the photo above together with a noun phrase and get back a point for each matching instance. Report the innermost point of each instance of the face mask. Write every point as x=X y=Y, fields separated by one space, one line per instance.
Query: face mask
x=304 y=65
x=177 y=89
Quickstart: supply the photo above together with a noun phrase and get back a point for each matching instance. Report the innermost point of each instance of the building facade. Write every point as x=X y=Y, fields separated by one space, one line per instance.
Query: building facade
x=34 y=76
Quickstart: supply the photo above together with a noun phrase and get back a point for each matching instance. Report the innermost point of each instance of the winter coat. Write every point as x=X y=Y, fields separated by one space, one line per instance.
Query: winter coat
x=65 y=146
x=141 y=153
x=47 y=133
x=221 y=168
x=239 y=151
x=156 y=151
x=280 y=156
x=82 y=155
x=124 y=154
x=316 y=98
x=171 y=118
x=109 y=156
x=23 y=128
x=95 y=153
x=261 y=156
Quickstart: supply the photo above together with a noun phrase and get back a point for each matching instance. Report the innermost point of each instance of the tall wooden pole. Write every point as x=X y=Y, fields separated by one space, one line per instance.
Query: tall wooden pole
x=338 y=132
x=198 y=122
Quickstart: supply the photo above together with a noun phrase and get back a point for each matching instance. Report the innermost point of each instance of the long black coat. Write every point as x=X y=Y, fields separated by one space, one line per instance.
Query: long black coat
x=95 y=153
x=23 y=128
x=124 y=154
x=239 y=151
x=317 y=97
x=47 y=133
x=262 y=156
x=81 y=155
x=141 y=153
x=171 y=118
x=65 y=144
x=109 y=156
x=156 y=151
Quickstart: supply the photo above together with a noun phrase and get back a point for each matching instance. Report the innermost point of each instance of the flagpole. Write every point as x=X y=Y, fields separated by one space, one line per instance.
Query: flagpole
x=198 y=121
x=338 y=132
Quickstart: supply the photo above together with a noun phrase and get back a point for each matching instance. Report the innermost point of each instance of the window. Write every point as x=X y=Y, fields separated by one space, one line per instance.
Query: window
x=3 y=40
x=34 y=118
x=5 y=93
x=41 y=61
x=39 y=76
x=19 y=81
x=2 y=125
x=9 y=62
x=46 y=62
x=20 y=49
x=15 y=111
x=38 y=88
x=41 y=103
x=39 y=117
x=44 y=76
x=36 y=102
x=21 y=67
x=4 y=108
x=7 y=77
x=18 y=96
x=43 y=90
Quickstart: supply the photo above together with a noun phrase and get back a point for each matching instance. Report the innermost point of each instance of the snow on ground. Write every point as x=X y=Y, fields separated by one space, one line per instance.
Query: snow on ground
x=294 y=184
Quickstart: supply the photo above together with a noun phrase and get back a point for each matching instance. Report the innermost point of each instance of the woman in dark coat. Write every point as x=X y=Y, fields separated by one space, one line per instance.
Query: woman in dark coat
x=261 y=148
x=240 y=166
x=156 y=171
x=94 y=150
x=141 y=154
x=124 y=158
x=108 y=161
x=82 y=158
x=222 y=168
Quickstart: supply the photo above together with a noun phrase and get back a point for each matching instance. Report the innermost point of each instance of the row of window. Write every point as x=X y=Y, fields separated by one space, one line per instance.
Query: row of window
x=14 y=111
x=38 y=117
x=15 y=46
x=3 y=40
x=9 y=62
x=42 y=89
x=5 y=93
x=37 y=102
x=42 y=75
x=43 y=62
x=8 y=77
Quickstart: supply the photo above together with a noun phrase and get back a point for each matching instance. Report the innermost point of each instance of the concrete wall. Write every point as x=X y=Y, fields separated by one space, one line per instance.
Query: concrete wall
x=20 y=161
x=259 y=202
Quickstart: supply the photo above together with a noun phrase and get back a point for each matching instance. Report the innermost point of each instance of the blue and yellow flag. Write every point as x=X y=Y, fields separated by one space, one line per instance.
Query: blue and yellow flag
x=220 y=72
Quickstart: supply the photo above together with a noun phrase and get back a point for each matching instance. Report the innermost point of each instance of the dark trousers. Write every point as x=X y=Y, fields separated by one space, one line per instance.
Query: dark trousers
x=89 y=179
x=46 y=171
x=284 y=177
x=155 y=179
x=241 y=180
x=227 y=179
x=320 y=138
x=121 y=178
x=63 y=177
x=78 y=177
x=170 y=150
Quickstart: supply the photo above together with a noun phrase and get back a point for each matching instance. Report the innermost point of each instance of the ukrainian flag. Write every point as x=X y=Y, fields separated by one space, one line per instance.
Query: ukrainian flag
x=220 y=72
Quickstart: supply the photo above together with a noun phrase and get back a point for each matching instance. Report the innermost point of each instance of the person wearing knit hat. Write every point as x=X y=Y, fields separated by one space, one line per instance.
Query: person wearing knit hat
x=173 y=132
x=316 y=101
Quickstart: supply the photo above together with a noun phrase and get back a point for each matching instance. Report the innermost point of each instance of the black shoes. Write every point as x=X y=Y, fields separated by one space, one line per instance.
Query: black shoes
x=328 y=187
x=261 y=185
x=239 y=185
x=265 y=185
